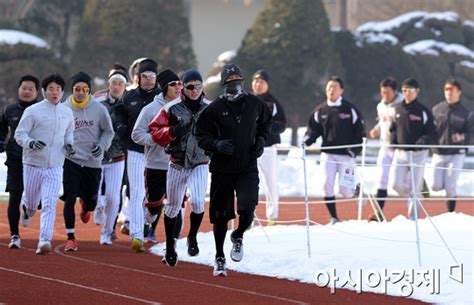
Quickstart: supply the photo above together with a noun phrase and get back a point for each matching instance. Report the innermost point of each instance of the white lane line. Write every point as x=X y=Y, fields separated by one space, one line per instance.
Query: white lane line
x=57 y=251
x=80 y=286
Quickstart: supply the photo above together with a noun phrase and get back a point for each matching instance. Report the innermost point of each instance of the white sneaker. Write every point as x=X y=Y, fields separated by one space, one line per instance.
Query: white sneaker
x=105 y=239
x=15 y=242
x=44 y=247
x=219 y=267
x=26 y=214
x=149 y=218
x=99 y=215
x=237 y=251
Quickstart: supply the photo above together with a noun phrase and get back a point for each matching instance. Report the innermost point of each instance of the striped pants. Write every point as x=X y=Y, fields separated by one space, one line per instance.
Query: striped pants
x=43 y=184
x=177 y=180
x=136 y=181
x=268 y=170
x=112 y=176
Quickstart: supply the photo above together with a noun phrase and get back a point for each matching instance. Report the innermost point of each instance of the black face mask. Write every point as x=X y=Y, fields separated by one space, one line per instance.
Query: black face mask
x=234 y=87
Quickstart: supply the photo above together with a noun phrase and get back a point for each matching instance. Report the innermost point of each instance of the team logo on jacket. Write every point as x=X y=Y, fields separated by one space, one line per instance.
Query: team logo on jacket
x=134 y=103
x=82 y=123
x=413 y=117
x=344 y=116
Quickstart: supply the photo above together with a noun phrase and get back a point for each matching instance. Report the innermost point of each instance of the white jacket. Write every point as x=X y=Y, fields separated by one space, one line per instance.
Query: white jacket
x=385 y=117
x=51 y=124
x=155 y=156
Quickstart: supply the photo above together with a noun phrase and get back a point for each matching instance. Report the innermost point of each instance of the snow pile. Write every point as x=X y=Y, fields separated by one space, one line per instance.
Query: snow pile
x=468 y=23
x=433 y=47
x=359 y=247
x=13 y=37
x=376 y=38
x=388 y=25
x=467 y=63
x=227 y=56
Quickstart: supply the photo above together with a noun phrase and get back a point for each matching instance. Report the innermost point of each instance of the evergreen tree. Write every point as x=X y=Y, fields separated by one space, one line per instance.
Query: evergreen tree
x=123 y=30
x=292 y=41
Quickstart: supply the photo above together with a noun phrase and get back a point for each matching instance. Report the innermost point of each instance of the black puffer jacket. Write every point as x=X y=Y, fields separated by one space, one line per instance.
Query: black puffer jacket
x=221 y=121
x=8 y=123
x=126 y=114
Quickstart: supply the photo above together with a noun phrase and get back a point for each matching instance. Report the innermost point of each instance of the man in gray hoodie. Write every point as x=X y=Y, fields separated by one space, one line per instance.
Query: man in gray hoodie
x=93 y=135
x=45 y=133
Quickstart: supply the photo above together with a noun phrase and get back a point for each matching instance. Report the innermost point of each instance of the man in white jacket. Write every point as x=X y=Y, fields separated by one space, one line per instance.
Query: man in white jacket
x=45 y=132
x=385 y=116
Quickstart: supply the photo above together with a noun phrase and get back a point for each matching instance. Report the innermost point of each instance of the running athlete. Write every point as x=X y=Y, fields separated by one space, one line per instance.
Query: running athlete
x=385 y=117
x=93 y=134
x=28 y=89
x=45 y=132
x=455 y=126
x=188 y=167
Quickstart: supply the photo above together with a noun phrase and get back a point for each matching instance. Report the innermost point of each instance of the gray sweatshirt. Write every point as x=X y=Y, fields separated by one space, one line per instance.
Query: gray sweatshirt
x=51 y=124
x=92 y=126
x=155 y=156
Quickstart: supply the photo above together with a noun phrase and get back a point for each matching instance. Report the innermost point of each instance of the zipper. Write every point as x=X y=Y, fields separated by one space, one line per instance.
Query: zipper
x=53 y=135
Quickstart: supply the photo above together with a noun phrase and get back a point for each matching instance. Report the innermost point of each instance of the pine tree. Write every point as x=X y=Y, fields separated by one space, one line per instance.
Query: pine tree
x=123 y=30
x=291 y=40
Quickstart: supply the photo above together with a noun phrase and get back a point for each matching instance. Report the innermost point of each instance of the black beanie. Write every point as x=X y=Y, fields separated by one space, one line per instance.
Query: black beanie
x=262 y=74
x=191 y=74
x=229 y=70
x=118 y=69
x=165 y=77
x=81 y=77
x=411 y=83
x=147 y=65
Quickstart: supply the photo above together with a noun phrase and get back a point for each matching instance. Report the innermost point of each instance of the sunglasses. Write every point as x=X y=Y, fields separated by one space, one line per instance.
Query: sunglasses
x=83 y=89
x=192 y=87
x=175 y=83
x=148 y=75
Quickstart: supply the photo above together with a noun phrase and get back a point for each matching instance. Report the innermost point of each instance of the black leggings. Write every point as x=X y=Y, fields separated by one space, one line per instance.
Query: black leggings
x=14 y=211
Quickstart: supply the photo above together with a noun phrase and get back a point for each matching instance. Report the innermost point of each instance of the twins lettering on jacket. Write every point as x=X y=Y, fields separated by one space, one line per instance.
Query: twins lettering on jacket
x=78 y=123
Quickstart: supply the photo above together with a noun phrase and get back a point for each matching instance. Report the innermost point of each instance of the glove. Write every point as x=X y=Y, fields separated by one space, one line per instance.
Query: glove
x=96 y=151
x=179 y=129
x=37 y=145
x=225 y=147
x=258 y=147
x=351 y=153
x=306 y=140
x=2 y=146
x=69 y=150
x=420 y=141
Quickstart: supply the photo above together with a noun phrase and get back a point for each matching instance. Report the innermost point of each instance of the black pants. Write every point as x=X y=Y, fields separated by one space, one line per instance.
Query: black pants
x=223 y=188
x=15 y=188
x=79 y=181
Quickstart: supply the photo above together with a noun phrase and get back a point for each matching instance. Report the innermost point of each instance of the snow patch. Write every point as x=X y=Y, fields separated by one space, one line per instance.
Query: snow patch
x=385 y=26
x=357 y=246
x=468 y=64
x=227 y=56
x=433 y=47
x=468 y=23
x=213 y=79
x=376 y=38
x=13 y=37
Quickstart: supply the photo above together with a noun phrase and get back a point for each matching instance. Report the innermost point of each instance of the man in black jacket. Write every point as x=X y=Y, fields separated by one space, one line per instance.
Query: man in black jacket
x=339 y=123
x=454 y=123
x=125 y=116
x=234 y=129
x=413 y=125
x=268 y=162
x=28 y=89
